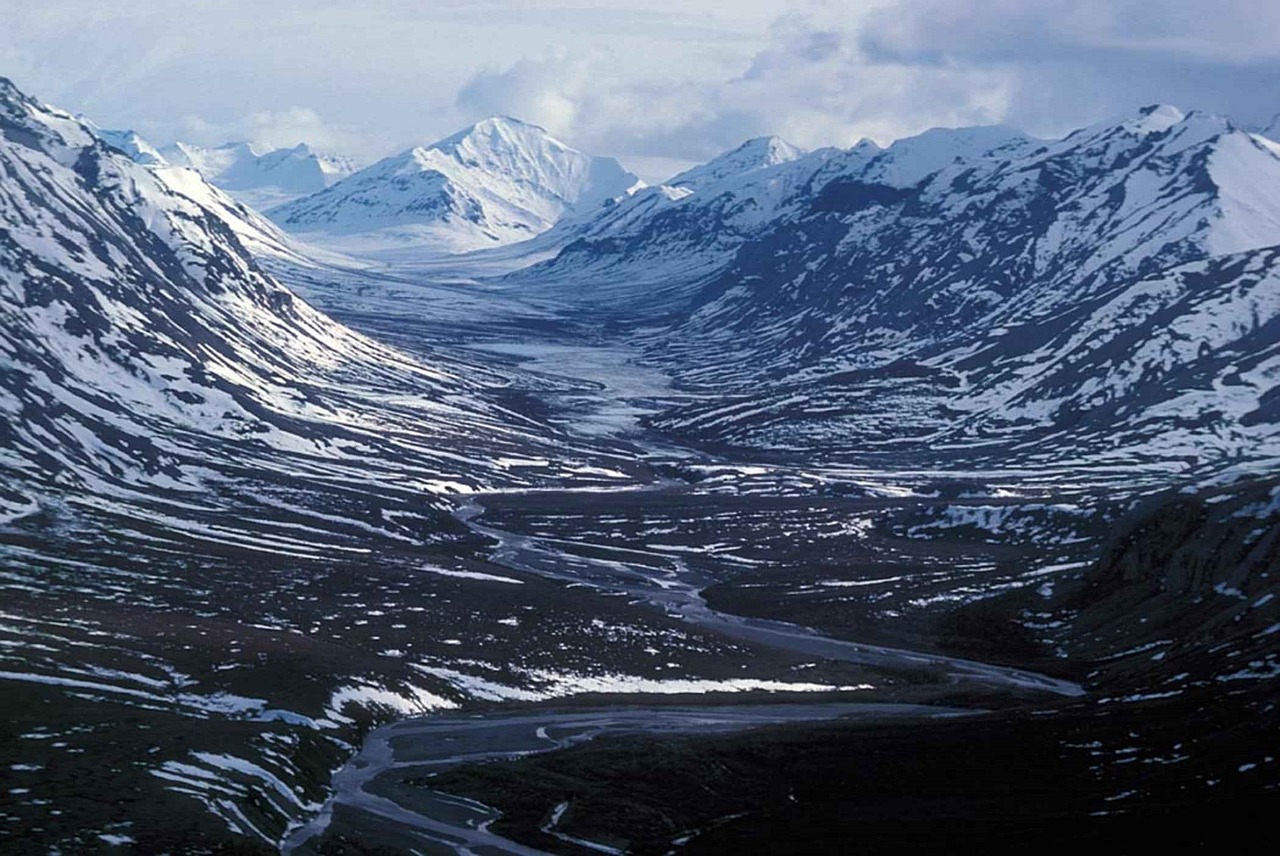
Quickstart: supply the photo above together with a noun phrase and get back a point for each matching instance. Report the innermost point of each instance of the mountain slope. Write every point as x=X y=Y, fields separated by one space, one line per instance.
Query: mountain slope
x=260 y=236
x=645 y=250
x=496 y=182
x=754 y=154
x=1034 y=290
x=652 y=250
x=140 y=340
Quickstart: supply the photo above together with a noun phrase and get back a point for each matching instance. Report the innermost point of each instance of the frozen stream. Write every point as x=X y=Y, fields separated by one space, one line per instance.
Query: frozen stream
x=430 y=744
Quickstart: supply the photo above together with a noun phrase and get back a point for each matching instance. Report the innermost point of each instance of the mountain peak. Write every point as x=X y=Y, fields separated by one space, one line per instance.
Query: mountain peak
x=908 y=160
x=9 y=92
x=773 y=148
x=27 y=121
x=499 y=132
x=1151 y=119
x=504 y=121
x=1155 y=118
x=755 y=154
x=242 y=147
x=134 y=145
x=497 y=181
x=1162 y=111
x=261 y=178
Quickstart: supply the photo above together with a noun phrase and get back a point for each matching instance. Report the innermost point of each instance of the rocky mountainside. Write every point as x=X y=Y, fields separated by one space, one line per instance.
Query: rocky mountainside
x=496 y=182
x=1110 y=294
x=1200 y=572
x=651 y=252
x=919 y=391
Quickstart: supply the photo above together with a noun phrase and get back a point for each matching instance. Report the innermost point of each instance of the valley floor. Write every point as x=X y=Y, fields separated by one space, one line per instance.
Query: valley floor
x=906 y=638
x=895 y=570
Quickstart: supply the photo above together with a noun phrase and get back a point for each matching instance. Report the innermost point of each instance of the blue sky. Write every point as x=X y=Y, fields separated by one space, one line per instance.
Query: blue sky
x=658 y=83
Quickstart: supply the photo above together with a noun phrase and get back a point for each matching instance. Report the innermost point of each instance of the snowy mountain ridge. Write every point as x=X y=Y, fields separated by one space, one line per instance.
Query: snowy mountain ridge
x=670 y=237
x=134 y=145
x=261 y=178
x=496 y=182
x=1086 y=293
x=756 y=153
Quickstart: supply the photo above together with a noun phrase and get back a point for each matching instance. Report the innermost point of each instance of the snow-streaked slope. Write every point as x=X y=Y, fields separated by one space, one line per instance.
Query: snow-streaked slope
x=1028 y=230
x=1174 y=371
x=652 y=249
x=224 y=517
x=911 y=159
x=496 y=182
x=143 y=348
x=1102 y=293
x=258 y=235
x=647 y=250
x=262 y=178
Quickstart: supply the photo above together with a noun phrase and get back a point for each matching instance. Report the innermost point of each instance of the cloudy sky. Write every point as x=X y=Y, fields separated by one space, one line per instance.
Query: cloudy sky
x=657 y=83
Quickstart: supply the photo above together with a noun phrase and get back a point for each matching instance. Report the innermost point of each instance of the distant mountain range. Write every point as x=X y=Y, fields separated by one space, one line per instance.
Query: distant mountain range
x=671 y=236
x=262 y=178
x=497 y=182
x=971 y=292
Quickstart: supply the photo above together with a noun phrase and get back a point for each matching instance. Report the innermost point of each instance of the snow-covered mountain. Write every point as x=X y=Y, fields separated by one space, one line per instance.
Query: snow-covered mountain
x=188 y=453
x=496 y=182
x=228 y=550
x=652 y=250
x=1109 y=295
x=261 y=178
x=143 y=345
x=647 y=250
x=1113 y=293
x=754 y=154
x=260 y=236
x=134 y=145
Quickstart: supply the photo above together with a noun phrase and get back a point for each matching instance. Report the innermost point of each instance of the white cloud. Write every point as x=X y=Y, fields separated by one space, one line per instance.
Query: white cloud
x=548 y=90
x=811 y=84
x=831 y=73
x=390 y=68
x=1070 y=62
x=680 y=79
x=293 y=125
